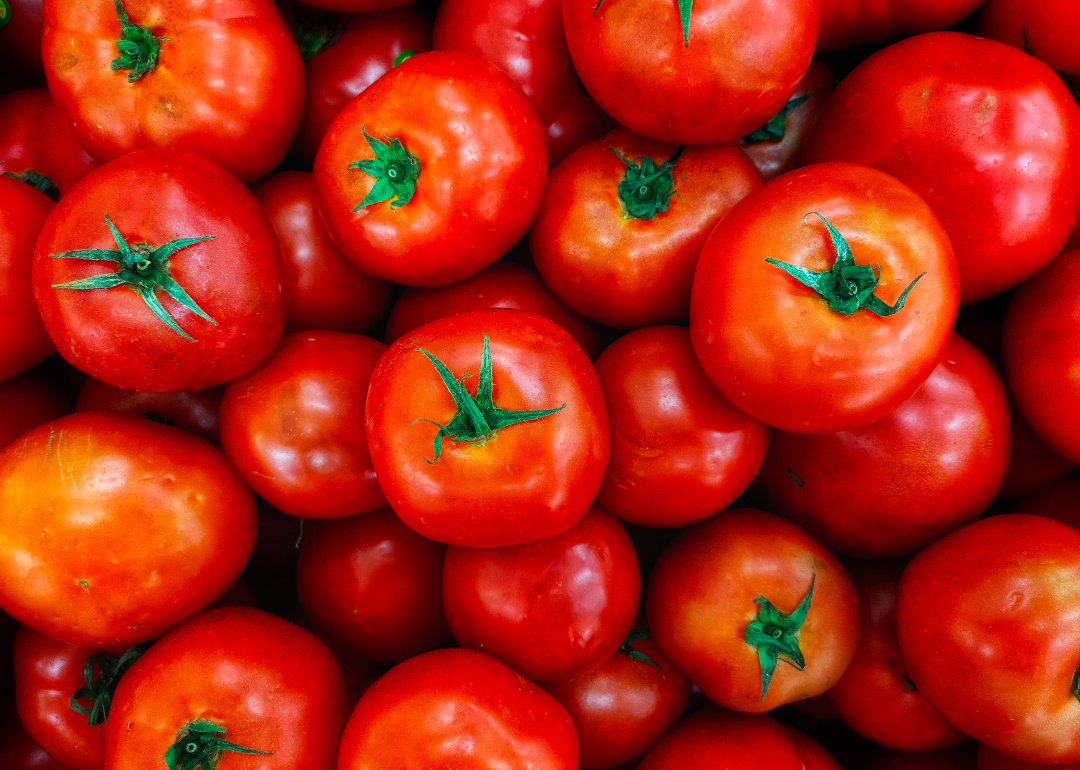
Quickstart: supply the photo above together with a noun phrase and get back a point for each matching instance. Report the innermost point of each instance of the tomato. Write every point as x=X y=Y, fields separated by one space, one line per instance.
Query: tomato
x=847 y=22
x=775 y=347
x=679 y=450
x=457 y=708
x=986 y=622
x=736 y=594
x=372 y=585
x=711 y=74
x=1031 y=462
x=362 y=52
x=20 y=33
x=355 y=6
x=1059 y=500
x=18 y=751
x=814 y=755
x=28 y=400
x=552 y=609
x=205 y=304
x=898 y=484
x=433 y=172
x=1047 y=29
x=37 y=144
x=222 y=78
x=195 y=413
x=114 y=529
x=624 y=219
x=989 y=759
x=960 y=757
x=989 y=136
x=529 y=471
x=234 y=674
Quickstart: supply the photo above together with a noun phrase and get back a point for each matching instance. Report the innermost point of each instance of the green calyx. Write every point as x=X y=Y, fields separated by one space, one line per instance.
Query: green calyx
x=144 y=268
x=99 y=692
x=1074 y=686
x=138 y=47
x=477 y=420
x=395 y=170
x=37 y=180
x=847 y=287
x=774 y=130
x=313 y=36
x=626 y=649
x=404 y=56
x=775 y=634
x=198 y=746
x=685 y=7
x=645 y=189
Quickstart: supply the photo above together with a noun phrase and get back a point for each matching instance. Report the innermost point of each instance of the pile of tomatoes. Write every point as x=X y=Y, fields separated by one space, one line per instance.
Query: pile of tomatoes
x=539 y=384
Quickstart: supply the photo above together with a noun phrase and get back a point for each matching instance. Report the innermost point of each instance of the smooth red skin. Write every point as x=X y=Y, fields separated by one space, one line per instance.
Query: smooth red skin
x=457 y=708
x=154 y=520
x=895 y=486
x=848 y=22
x=774 y=348
x=780 y=157
x=23 y=212
x=960 y=757
x=502 y=284
x=1074 y=238
x=483 y=161
x=873 y=696
x=18 y=751
x=989 y=759
x=526 y=40
x=986 y=619
x=37 y=136
x=814 y=755
x=366 y=50
x=20 y=38
x=237 y=278
x=194 y=412
x=229 y=82
x=1059 y=500
x=355 y=6
x=679 y=450
x=294 y=427
x=988 y=135
x=1051 y=26
x=28 y=400
x=618 y=270
x=552 y=609
x=270 y=683
x=532 y=480
x=374 y=586
x=624 y=706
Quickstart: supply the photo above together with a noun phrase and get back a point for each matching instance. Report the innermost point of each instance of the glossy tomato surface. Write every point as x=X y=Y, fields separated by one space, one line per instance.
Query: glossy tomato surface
x=847 y=22
x=991 y=759
x=1049 y=29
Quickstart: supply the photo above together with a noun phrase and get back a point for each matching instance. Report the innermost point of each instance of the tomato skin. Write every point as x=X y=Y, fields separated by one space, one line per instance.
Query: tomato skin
x=700 y=600
x=774 y=348
x=28 y=400
x=965 y=122
x=196 y=413
x=990 y=759
x=847 y=22
x=985 y=620
x=618 y=270
x=356 y=6
x=457 y=708
x=552 y=609
x=814 y=755
x=18 y=751
x=679 y=451
x=20 y=38
x=274 y=687
x=1050 y=26
x=37 y=136
x=483 y=161
x=96 y=483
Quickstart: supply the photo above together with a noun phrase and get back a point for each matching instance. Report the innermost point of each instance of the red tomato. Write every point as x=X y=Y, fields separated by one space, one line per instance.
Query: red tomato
x=433 y=172
x=205 y=304
x=28 y=400
x=488 y=485
x=847 y=22
x=354 y=6
x=986 y=622
x=223 y=78
x=21 y=25
x=814 y=755
x=254 y=679
x=775 y=347
x=679 y=450
x=989 y=136
x=115 y=529
x=1047 y=29
x=18 y=751
x=990 y=759
x=195 y=413
x=623 y=220
x=738 y=593
x=374 y=586
x=457 y=708
x=960 y=757
x=1031 y=462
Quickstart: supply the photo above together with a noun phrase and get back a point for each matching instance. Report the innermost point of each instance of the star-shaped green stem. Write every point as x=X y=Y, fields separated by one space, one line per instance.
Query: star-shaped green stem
x=99 y=692
x=775 y=634
x=685 y=7
x=477 y=419
x=645 y=189
x=144 y=268
x=395 y=170
x=774 y=130
x=626 y=649
x=847 y=287
x=137 y=45
x=37 y=180
x=198 y=746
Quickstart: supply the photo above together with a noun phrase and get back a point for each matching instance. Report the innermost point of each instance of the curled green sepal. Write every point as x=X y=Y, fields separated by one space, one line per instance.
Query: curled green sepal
x=314 y=36
x=685 y=7
x=137 y=45
x=626 y=649
x=775 y=634
x=37 y=180
x=142 y=267
x=774 y=130
x=1074 y=686
x=99 y=692
x=645 y=189
x=847 y=287
x=477 y=420
x=395 y=170
x=404 y=56
x=198 y=746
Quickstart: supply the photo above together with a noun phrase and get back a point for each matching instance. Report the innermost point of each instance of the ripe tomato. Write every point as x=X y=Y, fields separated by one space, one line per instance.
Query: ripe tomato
x=196 y=413
x=355 y=6
x=775 y=347
x=20 y=33
x=28 y=400
x=991 y=759
x=847 y=22
x=164 y=248
x=525 y=454
x=1047 y=29
x=18 y=751
x=115 y=529
x=433 y=172
x=814 y=755
x=222 y=78
x=623 y=220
